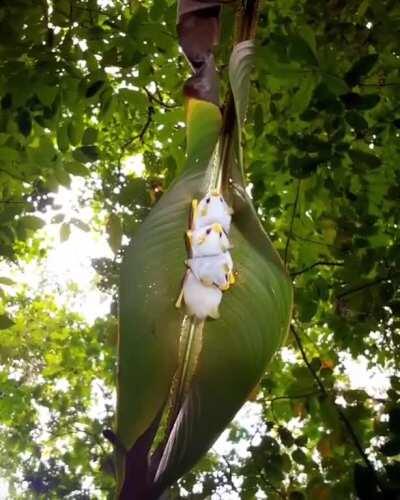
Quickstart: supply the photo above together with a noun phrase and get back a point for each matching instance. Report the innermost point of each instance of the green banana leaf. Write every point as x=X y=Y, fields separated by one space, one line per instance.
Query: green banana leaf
x=151 y=279
x=254 y=320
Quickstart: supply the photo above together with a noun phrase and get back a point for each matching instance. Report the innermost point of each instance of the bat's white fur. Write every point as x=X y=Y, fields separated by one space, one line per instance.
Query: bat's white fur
x=209 y=240
x=200 y=300
x=214 y=270
x=212 y=208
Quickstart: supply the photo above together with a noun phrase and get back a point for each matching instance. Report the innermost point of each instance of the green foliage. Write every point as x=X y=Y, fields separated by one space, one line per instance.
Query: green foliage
x=322 y=149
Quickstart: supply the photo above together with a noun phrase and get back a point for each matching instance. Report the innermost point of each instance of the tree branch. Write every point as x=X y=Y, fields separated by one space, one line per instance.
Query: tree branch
x=158 y=99
x=298 y=396
x=377 y=281
x=141 y=134
x=296 y=201
x=339 y=410
x=315 y=242
x=318 y=263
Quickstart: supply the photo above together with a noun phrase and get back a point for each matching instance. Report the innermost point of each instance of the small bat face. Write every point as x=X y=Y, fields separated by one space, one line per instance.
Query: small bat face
x=209 y=240
x=213 y=203
x=212 y=208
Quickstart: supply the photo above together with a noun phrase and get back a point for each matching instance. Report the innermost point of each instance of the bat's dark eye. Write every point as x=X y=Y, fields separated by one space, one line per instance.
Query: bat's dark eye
x=208 y=200
x=221 y=200
x=220 y=235
x=208 y=231
x=226 y=277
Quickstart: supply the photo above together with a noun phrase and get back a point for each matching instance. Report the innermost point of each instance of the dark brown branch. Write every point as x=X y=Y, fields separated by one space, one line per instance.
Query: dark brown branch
x=315 y=242
x=229 y=474
x=296 y=201
x=377 y=281
x=141 y=134
x=316 y=264
x=339 y=410
x=158 y=99
x=299 y=396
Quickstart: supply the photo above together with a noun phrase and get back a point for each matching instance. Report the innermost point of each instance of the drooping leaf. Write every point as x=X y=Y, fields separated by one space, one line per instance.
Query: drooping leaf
x=46 y=94
x=6 y=281
x=364 y=158
x=336 y=85
x=65 y=231
x=254 y=314
x=86 y=154
x=24 y=121
x=239 y=338
x=62 y=138
x=75 y=168
x=5 y=322
x=356 y=120
x=80 y=224
x=58 y=218
x=301 y=52
x=114 y=230
x=236 y=348
x=8 y=154
x=93 y=88
x=241 y=63
x=360 y=69
x=303 y=96
x=32 y=222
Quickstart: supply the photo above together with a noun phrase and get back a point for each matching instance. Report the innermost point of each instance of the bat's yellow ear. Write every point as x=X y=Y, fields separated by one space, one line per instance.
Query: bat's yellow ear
x=232 y=279
x=189 y=235
x=195 y=205
x=214 y=192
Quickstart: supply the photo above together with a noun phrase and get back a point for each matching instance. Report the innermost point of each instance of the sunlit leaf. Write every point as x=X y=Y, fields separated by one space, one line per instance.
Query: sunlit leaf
x=114 y=230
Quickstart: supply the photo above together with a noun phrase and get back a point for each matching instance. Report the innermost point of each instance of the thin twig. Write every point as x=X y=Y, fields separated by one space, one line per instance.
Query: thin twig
x=299 y=396
x=158 y=100
x=292 y=222
x=318 y=263
x=315 y=242
x=339 y=410
x=229 y=474
x=377 y=281
x=141 y=134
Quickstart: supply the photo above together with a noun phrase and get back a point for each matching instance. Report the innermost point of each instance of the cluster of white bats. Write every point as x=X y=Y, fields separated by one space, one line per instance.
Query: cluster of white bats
x=210 y=266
